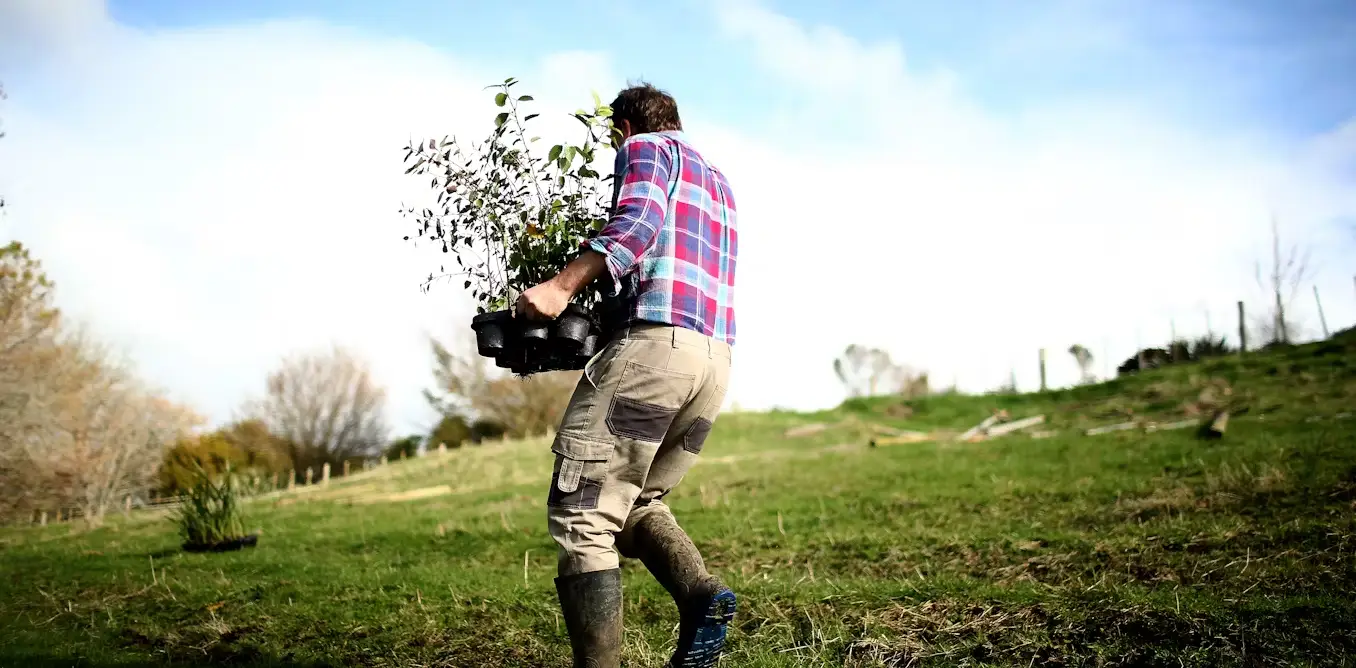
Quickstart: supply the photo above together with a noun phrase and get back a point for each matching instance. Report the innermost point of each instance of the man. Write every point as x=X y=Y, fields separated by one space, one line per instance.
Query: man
x=646 y=402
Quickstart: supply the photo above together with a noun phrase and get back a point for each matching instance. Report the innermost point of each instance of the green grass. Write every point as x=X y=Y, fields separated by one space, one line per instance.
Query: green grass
x=1123 y=549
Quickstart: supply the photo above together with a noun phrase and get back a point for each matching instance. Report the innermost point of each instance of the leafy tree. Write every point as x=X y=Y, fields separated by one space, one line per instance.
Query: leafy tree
x=452 y=430
x=407 y=446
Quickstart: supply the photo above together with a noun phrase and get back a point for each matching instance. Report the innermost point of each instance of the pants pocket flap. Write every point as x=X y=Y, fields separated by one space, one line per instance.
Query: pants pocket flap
x=582 y=450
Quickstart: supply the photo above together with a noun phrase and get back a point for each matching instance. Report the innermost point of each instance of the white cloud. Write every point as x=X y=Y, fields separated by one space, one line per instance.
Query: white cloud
x=216 y=198
x=964 y=241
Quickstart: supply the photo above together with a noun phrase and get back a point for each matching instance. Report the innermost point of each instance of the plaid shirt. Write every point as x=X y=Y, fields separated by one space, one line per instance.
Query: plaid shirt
x=671 y=242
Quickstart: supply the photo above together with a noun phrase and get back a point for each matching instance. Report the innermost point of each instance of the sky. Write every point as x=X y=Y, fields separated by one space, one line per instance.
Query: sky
x=214 y=186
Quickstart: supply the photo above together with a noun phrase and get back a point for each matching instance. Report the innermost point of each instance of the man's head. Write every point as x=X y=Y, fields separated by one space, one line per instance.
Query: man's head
x=643 y=108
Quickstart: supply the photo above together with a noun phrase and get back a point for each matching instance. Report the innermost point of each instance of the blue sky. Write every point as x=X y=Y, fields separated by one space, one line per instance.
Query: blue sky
x=1279 y=68
x=213 y=185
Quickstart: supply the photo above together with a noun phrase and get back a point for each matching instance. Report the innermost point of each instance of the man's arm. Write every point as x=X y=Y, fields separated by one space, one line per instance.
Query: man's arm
x=642 y=200
x=644 y=167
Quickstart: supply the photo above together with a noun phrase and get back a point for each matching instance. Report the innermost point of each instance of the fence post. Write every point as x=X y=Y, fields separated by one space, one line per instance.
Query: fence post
x=127 y=505
x=275 y=480
x=345 y=468
x=1242 y=329
x=310 y=473
x=42 y=519
x=383 y=460
x=1323 y=321
x=1042 y=369
x=325 y=474
x=291 y=478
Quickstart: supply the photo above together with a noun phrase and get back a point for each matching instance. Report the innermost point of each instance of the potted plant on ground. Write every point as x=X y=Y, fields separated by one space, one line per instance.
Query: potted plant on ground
x=209 y=516
x=512 y=214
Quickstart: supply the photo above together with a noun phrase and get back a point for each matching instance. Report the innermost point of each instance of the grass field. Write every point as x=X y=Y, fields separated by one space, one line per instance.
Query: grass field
x=1129 y=548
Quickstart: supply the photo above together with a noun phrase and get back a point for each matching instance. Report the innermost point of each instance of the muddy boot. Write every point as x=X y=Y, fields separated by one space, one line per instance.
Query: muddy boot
x=705 y=605
x=592 y=606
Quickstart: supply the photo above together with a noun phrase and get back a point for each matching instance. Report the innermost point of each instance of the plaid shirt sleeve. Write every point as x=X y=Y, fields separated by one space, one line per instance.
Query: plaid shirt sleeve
x=643 y=169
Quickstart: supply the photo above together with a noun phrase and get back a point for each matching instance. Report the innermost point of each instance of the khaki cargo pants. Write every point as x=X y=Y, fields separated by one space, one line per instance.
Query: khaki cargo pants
x=634 y=426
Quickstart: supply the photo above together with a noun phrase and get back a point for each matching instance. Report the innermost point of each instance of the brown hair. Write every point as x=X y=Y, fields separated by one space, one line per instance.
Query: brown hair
x=647 y=108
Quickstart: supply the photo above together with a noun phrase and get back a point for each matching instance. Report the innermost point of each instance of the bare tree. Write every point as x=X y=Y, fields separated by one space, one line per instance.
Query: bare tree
x=89 y=433
x=1083 y=357
x=3 y=97
x=325 y=407
x=868 y=371
x=1288 y=271
x=29 y=375
x=466 y=387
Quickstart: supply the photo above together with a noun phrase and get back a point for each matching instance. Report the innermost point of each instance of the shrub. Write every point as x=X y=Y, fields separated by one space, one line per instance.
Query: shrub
x=209 y=513
x=512 y=215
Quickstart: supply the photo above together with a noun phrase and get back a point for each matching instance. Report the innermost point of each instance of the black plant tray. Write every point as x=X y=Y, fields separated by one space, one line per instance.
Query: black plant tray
x=526 y=346
x=225 y=545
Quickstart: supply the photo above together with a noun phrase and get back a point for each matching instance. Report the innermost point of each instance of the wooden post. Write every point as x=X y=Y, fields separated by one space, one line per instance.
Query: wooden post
x=1323 y=321
x=275 y=480
x=325 y=473
x=383 y=460
x=42 y=519
x=127 y=505
x=1242 y=329
x=346 y=466
x=442 y=448
x=291 y=478
x=1042 y=369
x=310 y=473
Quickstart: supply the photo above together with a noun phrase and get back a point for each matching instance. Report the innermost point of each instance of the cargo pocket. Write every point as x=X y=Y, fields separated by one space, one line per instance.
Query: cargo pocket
x=581 y=467
x=647 y=400
x=700 y=429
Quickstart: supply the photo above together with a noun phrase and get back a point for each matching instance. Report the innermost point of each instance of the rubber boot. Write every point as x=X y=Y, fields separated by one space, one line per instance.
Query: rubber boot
x=705 y=605
x=592 y=606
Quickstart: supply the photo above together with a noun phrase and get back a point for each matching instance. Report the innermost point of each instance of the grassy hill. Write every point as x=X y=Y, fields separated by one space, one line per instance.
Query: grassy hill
x=1129 y=548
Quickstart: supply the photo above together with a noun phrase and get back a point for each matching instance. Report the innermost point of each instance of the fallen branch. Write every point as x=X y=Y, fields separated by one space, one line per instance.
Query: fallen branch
x=1217 y=426
x=1016 y=426
x=1096 y=431
x=1182 y=424
x=983 y=427
x=902 y=437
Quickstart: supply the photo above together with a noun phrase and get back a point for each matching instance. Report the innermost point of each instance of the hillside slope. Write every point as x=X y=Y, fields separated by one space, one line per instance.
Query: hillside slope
x=1128 y=548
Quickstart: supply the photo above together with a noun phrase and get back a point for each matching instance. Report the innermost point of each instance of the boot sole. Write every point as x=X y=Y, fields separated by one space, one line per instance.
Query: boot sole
x=709 y=641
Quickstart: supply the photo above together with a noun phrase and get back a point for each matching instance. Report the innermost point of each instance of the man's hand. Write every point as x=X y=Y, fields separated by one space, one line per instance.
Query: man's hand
x=544 y=301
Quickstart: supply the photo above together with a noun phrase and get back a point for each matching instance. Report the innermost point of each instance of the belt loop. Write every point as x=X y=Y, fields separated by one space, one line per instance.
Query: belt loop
x=710 y=347
x=673 y=336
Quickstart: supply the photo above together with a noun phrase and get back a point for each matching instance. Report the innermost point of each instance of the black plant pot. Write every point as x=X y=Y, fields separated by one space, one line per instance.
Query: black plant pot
x=573 y=326
x=589 y=348
x=225 y=545
x=493 y=331
x=527 y=347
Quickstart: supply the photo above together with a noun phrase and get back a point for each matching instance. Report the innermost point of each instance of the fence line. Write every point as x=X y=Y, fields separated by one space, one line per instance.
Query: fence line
x=258 y=485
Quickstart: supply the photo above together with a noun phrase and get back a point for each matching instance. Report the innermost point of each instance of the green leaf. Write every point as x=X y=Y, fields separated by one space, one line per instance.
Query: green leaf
x=525 y=98
x=530 y=117
x=555 y=152
x=501 y=119
x=597 y=101
x=500 y=99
